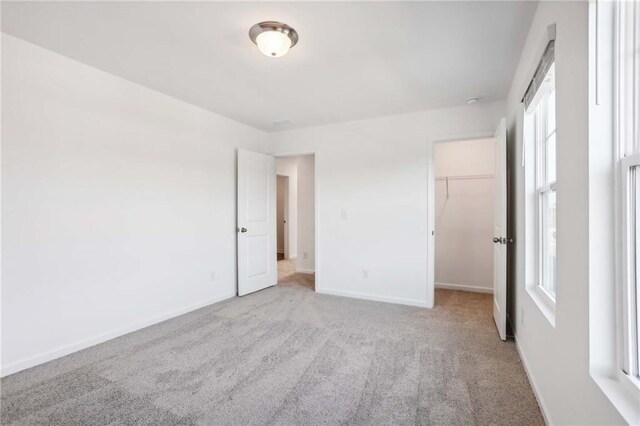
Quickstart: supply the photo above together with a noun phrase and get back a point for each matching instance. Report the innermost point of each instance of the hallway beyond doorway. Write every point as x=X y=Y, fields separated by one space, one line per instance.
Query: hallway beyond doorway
x=287 y=275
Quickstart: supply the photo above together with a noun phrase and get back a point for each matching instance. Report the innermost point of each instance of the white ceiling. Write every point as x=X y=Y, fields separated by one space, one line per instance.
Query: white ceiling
x=354 y=60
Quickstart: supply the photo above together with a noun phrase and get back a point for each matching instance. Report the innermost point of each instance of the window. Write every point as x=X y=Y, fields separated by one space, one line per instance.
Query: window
x=539 y=162
x=614 y=202
x=545 y=141
x=541 y=118
x=627 y=138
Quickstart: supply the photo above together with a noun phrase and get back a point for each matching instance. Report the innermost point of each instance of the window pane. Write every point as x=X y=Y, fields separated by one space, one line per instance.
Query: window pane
x=550 y=132
x=634 y=323
x=548 y=249
x=551 y=111
x=551 y=157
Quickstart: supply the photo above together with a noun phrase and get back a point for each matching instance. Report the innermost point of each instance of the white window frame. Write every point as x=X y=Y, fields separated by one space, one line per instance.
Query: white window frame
x=535 y=132
x=626 y=113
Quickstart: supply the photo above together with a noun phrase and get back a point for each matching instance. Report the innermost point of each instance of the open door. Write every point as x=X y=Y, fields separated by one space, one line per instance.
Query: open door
x=500 y=232
x=256 y=222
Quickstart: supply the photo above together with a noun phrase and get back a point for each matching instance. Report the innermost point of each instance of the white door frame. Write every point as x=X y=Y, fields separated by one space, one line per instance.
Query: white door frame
x=316 y=199
x=431 y=202
x=285 y=214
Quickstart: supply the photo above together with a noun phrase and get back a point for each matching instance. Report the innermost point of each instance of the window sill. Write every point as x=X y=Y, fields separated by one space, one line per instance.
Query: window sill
x=546 y=305
x=622 y=393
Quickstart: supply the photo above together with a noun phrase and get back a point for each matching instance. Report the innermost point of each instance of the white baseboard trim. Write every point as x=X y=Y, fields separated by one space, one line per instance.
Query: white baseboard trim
x=373 y=297
x=463 y=287
x=35 y=360
x=534 y=386
x=305 y=271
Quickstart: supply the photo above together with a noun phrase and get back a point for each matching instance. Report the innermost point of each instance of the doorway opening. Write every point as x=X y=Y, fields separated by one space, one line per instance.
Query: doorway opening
x=282 y=213
x=465 y=202
x=296 y=217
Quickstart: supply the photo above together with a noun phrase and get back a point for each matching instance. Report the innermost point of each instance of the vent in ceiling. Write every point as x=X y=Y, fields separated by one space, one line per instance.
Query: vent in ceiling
x=282 y=123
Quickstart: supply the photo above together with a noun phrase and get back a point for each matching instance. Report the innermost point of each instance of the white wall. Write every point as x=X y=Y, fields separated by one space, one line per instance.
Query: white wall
x=557 y=358
x=288 y=166
x=306 y=214
x=118 y=205
x=464 y=219
x=372 y=197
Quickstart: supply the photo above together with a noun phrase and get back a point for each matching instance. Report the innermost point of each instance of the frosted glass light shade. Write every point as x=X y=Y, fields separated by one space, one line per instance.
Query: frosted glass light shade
x=274 y=39
x=273 y=43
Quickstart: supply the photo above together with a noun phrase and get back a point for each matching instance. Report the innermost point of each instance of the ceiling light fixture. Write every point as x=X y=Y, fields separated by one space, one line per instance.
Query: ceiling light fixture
x=274 y=39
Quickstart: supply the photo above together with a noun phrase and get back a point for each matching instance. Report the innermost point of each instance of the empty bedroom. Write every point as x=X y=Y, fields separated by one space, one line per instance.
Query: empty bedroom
x=304 y=213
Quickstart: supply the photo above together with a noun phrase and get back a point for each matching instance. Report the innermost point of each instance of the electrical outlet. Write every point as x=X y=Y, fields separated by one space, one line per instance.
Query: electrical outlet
x=343 y=214
x=305 y=255
x=212 y=276
x=365 y=273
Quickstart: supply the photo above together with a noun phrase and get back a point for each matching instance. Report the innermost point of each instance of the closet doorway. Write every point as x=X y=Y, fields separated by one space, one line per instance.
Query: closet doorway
x=468 y=209
x=464 y=203
x=467 y=223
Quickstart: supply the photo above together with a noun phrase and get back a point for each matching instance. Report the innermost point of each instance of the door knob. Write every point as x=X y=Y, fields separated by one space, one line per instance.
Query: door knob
x=497 y=240
x=243 y=229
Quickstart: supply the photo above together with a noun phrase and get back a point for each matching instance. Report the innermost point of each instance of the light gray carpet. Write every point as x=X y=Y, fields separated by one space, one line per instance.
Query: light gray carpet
x=287 y=355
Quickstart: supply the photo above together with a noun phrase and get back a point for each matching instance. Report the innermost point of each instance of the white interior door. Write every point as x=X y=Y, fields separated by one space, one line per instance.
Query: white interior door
x=256 y=222
x=500 y=232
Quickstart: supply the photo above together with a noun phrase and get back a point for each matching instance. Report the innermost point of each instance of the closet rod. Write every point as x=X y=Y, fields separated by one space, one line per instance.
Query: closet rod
x=467 y=177
x=464 y=177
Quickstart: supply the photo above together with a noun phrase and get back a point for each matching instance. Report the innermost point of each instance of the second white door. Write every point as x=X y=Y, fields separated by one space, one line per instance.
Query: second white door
x=256 y=222
x=500 y=232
